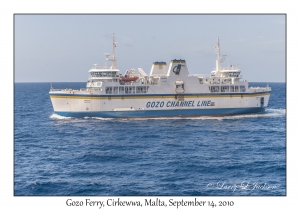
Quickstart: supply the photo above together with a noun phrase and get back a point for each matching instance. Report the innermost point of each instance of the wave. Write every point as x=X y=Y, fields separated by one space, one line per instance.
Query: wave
x=268 y=113
x=58 y=117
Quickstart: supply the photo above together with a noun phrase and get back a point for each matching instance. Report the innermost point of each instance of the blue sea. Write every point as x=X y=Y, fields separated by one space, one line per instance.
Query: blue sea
x=202 y=156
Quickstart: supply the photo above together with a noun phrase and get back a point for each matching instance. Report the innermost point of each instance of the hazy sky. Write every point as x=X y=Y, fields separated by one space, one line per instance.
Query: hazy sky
x=62 y=48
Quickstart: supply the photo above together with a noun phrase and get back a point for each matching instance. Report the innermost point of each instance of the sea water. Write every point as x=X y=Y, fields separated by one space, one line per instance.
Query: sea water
x=231 y=155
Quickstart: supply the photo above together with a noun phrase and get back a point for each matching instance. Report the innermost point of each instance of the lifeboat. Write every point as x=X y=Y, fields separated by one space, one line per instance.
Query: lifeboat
x=129 y=79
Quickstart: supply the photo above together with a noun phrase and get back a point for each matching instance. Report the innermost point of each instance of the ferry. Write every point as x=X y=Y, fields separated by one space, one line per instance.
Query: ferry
x=167 y=91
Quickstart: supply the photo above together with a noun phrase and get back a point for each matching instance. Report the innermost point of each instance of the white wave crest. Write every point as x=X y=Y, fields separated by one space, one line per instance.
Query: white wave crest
x=268 y=113
x=56 y=116
x=102 y=118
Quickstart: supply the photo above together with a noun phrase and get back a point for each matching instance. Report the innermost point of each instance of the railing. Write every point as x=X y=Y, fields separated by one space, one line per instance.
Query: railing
x=69 y=89
x=52 y=89
x=158 y=75
x=228 y=68
x=103 y=77
x=201 y=75
x=99 y=67
x=259 y=89
x=217 y=82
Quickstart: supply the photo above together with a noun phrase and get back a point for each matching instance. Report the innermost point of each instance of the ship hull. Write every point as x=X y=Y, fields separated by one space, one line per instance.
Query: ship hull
x=164 y=113
x=168 y=105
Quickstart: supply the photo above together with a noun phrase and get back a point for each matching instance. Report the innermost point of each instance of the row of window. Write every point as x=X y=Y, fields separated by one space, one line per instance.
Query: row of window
x=144 y=89
x=104 y=74
x=104 y=80
x=215 y=81
x=126 y=90
x=214 y=89
x=233 y=74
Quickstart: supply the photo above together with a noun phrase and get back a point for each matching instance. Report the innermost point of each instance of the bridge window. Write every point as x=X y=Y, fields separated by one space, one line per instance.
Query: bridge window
x=233 y=74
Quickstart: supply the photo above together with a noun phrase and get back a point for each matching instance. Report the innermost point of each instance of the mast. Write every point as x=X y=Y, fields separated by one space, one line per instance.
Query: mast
x=219 y=59
x=113 y=58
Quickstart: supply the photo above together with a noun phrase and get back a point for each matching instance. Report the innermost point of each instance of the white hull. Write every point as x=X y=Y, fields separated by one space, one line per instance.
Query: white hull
x=72 y=105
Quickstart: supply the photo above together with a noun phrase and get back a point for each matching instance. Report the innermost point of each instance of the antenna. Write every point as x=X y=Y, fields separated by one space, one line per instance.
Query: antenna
x=113 y=58
x=219 y=60
x=217 y=48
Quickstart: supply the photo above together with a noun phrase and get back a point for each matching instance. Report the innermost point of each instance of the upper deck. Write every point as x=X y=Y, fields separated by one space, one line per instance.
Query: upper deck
x=162 y=79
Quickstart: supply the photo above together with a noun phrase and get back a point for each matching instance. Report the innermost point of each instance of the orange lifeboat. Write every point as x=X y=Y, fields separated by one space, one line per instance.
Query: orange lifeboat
x=129 y=79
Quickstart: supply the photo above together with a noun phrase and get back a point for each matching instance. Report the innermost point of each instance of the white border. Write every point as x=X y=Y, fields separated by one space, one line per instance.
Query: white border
x=8 y=8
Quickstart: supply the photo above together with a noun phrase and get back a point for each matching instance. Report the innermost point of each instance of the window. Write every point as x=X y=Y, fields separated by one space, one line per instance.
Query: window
x=141 y=89
x=138 y=90
x=231 y=88
x=224 y=89
x=99 y=84
x=214 y=89
x=126 y=90
x=243 y=89
x=108 y=90
x=116 y=90
x=144 y=89
x=132 y=89
x=121 y=90
x=233 y=74
x=236 y=89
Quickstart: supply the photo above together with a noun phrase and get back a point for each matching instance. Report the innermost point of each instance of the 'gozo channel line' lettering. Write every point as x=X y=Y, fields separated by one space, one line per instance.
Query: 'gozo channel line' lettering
x=161 y=104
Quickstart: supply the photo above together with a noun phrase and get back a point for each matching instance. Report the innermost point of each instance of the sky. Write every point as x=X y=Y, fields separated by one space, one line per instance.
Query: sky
x=62 y=48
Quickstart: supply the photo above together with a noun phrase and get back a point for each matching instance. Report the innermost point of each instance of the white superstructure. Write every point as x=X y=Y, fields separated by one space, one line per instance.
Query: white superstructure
x=166 y=91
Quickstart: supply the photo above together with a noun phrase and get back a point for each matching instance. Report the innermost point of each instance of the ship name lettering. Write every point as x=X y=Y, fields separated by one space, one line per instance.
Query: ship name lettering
x=204 y=103
x=160 y=104
x=152 y=104
x=155 y=104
